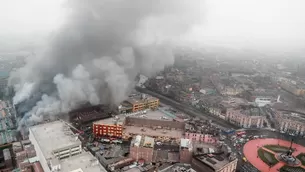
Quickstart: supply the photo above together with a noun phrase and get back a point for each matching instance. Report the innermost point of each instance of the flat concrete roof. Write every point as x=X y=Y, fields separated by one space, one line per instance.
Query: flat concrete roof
x=233 y=102
x=173 y=133
x=150 y=114
x=178 y=167
x=81 y=162
x=137 y=100
x=118 y=120
x=219 y=163
x=52 y=136
x=157 y=115
x=149 y=141
x=292 y=116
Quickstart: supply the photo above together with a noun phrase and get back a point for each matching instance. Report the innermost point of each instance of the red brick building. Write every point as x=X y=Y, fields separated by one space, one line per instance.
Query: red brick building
x=109 y=127
x=142 y=148
x=185 y=151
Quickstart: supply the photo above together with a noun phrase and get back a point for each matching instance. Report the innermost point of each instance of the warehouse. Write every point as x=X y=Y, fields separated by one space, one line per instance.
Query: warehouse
x=125 y=125
x=58 y=148
x=154 y=124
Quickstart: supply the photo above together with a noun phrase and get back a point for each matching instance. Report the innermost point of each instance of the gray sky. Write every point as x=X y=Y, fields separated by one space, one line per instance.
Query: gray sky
x=237 y=23
x=256 y=22
x=23 y=17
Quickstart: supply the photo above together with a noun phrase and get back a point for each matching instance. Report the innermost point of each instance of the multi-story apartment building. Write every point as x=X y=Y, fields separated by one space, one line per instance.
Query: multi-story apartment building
x=109 y=127
x=206 y=138
x=186 y=151
x=142 y=148
x=290 y=122
x=219 y=108
x=245 y=119
x=143 y=102
x=226 y=85
x=217 y=111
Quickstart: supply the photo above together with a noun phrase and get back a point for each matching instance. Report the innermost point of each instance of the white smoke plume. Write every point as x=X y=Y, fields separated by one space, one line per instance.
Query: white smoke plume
x=24 y=92
x=95 y=56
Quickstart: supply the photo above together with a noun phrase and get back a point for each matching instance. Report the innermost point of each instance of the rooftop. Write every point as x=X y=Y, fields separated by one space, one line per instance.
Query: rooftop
x=118 y=120
x=84 y=162
x=179 y=167
x=185 y=143
x=214 y=161
x=233 y=102
x=292 y=116
x=53 y=136
x=56 y=135
x=146 y=114
x=157 y=115
x=143 y=141
x=141 y=99
x=252 y=111
x=172 y=133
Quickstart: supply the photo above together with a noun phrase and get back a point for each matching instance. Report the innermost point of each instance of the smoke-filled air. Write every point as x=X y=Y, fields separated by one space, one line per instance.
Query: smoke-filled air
x=95 y=56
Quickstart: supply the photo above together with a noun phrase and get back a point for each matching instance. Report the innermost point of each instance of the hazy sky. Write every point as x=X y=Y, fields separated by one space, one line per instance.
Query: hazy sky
x=259 y=23
x=29 y=16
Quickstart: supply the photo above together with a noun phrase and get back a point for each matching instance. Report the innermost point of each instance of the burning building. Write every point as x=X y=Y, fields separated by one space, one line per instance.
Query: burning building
x=89 y=114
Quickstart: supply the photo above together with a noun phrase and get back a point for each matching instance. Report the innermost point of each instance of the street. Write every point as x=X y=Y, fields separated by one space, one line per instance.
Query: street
x=272 y=134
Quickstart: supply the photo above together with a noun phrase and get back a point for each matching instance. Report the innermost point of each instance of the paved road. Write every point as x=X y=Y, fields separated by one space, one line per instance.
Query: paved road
x=191 y=111
x=187 y=109
x=245 y=166
x=272 y=134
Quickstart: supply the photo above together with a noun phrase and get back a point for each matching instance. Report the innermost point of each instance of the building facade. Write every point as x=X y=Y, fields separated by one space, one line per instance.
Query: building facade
x=237 y=117
x=206 y=138
x=290 y=122
x=143 y=103
x=186 y=151
x=141 y=153
x=217 y=111
x=142 y=148
x=59 y=149
x=293 y=126
x=109 y=127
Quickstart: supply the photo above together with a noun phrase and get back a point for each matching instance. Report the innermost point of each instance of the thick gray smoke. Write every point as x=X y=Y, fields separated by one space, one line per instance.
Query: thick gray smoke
x=98 y=52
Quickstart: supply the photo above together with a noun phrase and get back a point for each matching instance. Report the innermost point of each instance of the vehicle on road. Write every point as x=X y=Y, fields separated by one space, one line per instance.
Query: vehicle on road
x=241 y=133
